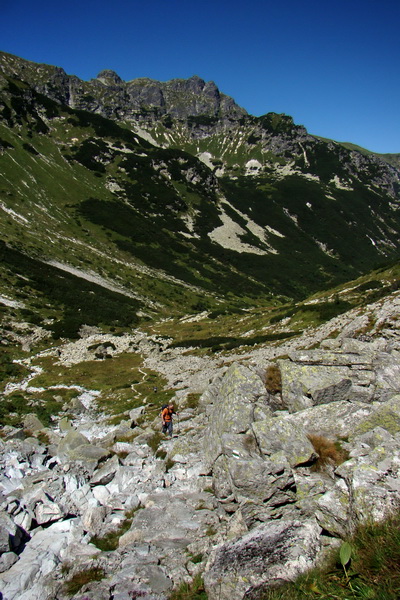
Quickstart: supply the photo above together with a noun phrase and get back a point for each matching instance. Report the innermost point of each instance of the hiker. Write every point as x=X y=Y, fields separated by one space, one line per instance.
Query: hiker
x=166 y=416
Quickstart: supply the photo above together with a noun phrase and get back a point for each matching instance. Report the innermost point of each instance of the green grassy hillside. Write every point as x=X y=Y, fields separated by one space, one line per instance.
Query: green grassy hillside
x=89 y=207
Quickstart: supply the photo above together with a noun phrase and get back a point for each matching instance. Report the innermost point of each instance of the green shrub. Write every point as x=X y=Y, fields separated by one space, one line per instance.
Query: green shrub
x=190 y=591
x=192 y=400
x=169 y=463
x=110 y=541
x=154 y=441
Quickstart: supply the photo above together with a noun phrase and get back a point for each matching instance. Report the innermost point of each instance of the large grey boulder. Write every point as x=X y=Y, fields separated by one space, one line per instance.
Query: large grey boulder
x=40 y=557
x=72 y=440
x=306 y=385
x=263 y=558
x=75 y=446
x=263 y=481
x=279 y=434
x=232 y=411
x=333 y=420
x=106 y=472
x=386 y=415
x=367 y=488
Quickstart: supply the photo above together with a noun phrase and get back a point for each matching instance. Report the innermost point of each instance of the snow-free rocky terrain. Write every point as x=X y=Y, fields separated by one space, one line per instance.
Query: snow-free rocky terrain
x=233 y=496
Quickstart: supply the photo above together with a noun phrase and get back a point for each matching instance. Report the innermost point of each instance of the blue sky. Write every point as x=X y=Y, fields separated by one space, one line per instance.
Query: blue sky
x=333 y=66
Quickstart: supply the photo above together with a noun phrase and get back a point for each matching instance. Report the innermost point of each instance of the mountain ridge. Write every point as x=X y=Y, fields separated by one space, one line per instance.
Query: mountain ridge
x=192 y=211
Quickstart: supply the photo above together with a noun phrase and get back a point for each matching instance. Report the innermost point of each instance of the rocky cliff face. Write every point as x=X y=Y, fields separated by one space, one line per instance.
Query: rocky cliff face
x=243 y=492
x=111 y=97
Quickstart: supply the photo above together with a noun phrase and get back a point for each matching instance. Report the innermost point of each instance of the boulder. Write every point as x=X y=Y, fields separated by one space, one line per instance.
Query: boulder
x=135 y=413
x=262 y=480
x=305 y=385
x=40 y=558
x=88 y=453
x=280 y=434
x=93 y=519
x=76 y=406
x=72 y=440
x=46 y=512
x=263 y=558
x=106 y=472
x=337 y=419
x=385 y=415
x=368 y=488
x=32 y=423
x=7 y=560
x=75 y=446
x=239 y=389
x=65 y=425
x=8 y=533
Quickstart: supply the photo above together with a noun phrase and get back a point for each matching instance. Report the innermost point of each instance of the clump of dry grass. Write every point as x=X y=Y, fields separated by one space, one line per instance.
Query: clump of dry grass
x=329 y=452
x=273 y=379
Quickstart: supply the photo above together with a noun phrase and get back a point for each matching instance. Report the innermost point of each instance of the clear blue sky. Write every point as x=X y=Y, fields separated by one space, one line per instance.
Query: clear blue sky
x=332 y=65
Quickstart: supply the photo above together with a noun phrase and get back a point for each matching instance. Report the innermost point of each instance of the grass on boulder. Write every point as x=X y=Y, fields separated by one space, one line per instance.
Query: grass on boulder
x=190 y=591
x=329 y=452
x=273 y=379
x=82 y=578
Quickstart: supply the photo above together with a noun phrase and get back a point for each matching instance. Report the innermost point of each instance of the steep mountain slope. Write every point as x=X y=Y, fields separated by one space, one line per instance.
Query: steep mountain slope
x=167 y=197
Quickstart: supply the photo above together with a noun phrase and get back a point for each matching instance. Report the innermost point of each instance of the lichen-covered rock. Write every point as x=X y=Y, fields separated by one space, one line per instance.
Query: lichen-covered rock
x=386 y=415
x=333 y=420
x=72 y=440
x=263 y=558
x=264 y=481
x=367 y=490
x=75 y=446
x=305 y=385
x=282 y=435
x=232 y=412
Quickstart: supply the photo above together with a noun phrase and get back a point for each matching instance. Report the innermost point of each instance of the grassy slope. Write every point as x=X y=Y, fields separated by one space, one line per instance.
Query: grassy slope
x=85 y=191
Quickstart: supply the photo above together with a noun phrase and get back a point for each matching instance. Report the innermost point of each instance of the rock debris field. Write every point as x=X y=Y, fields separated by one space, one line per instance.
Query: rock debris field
x=240 y=495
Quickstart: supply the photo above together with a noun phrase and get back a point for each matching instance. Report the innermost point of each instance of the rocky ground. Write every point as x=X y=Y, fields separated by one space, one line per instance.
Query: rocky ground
x=242 y=494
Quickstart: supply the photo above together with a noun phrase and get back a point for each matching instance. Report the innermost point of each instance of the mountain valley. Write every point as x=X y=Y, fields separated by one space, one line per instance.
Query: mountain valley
x=160 y=244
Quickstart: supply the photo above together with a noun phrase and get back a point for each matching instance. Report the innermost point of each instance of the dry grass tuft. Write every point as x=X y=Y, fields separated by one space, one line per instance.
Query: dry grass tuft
x=329 y=453
x=273 y=379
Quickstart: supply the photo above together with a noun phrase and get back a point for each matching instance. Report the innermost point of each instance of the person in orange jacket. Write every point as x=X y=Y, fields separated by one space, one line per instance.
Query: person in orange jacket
x=166 y=416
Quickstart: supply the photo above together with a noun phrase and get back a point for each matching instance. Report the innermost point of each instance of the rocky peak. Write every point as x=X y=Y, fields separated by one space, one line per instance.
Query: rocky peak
x=109 y=77
x=194 y=84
